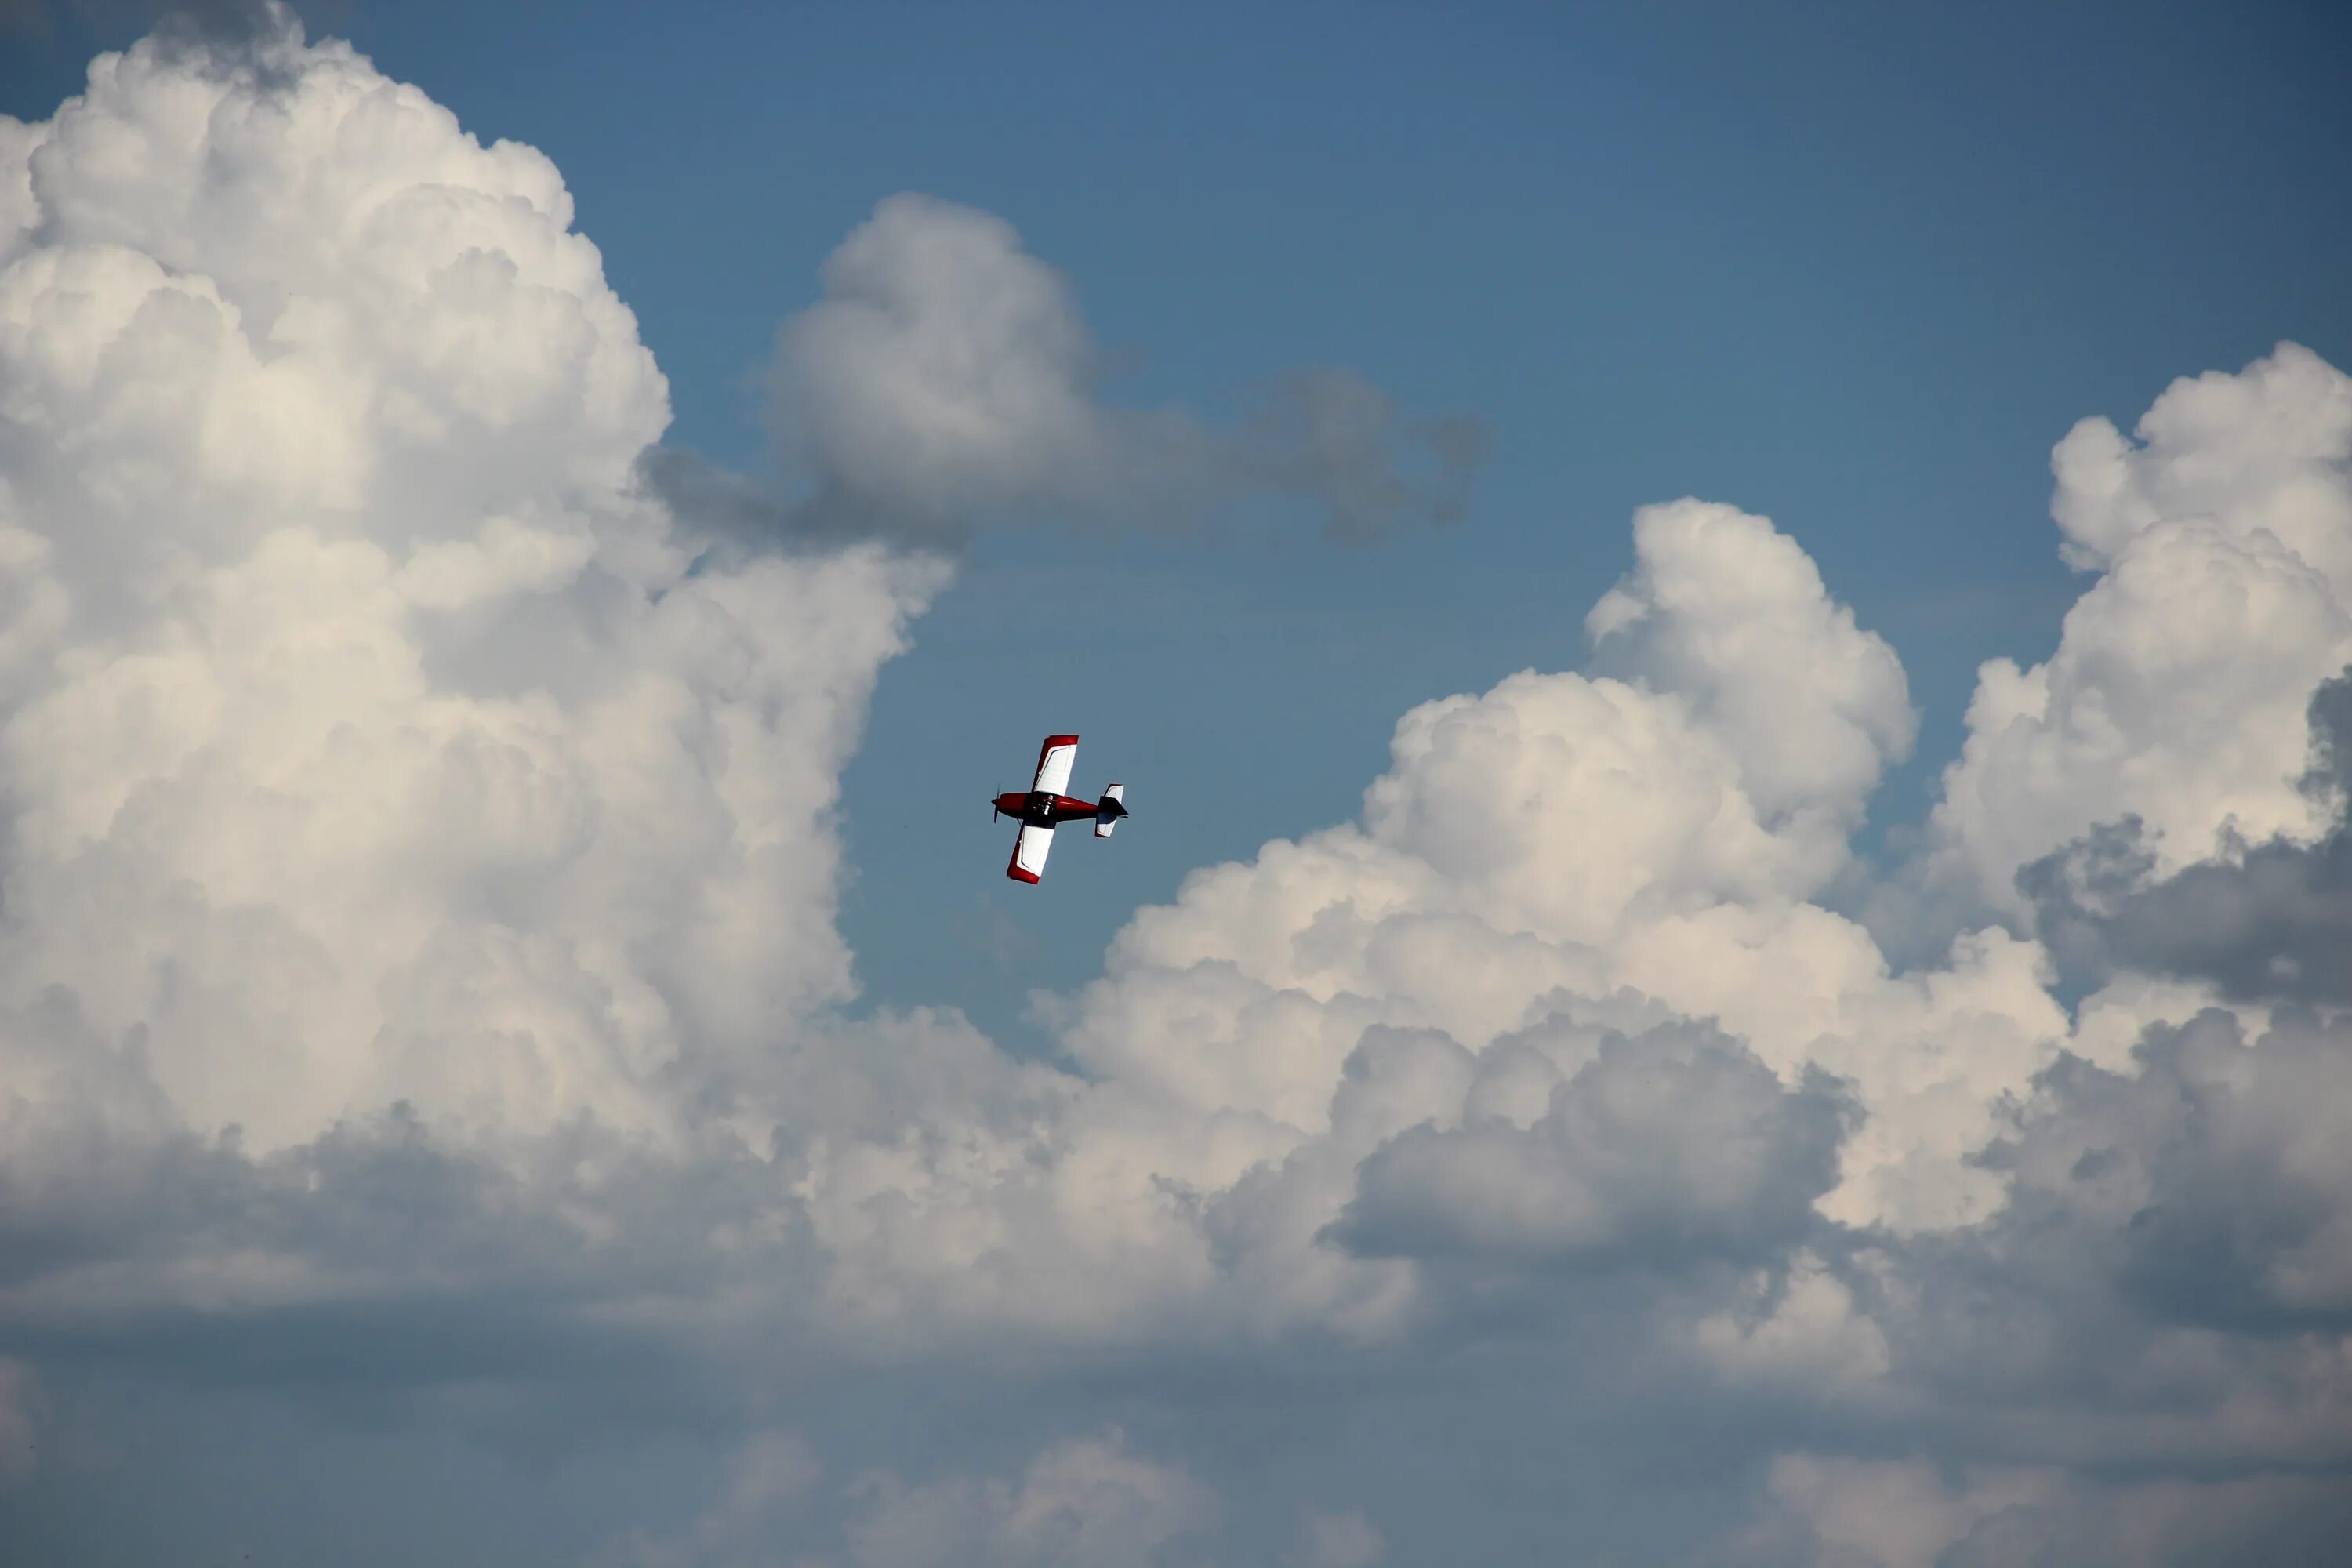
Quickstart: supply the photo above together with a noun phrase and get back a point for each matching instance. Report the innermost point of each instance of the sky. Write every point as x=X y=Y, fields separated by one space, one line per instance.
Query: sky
x=1728 y=628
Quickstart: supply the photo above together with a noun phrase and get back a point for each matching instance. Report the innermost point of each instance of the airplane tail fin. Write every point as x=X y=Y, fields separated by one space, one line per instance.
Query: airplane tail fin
x=1109 y=809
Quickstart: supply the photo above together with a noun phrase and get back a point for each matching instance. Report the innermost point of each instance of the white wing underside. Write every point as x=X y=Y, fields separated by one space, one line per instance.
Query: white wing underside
x=1054 y=775
x=1029 y=850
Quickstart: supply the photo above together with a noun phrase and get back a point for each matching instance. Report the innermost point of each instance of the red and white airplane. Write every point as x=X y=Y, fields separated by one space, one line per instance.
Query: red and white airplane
x=1044 y=807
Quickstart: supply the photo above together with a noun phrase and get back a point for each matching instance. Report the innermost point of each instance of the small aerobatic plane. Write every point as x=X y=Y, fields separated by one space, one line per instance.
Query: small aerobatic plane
x=1045 y=807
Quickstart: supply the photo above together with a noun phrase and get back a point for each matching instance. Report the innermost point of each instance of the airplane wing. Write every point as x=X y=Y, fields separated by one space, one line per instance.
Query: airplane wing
x=1030 y=849
x=1054 y=761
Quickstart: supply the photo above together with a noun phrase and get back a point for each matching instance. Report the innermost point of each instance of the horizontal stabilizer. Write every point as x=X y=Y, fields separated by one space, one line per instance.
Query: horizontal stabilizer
x=1112 y=806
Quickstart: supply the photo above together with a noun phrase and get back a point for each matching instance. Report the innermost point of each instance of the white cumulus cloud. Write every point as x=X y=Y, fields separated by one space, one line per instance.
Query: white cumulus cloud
x=366 y=740
x=2177 y=692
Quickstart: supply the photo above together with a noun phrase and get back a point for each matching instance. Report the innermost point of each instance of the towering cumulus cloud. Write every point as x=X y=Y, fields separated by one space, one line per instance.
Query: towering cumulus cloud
x=422 y=1072
x=2222 y=542
x=364 y=742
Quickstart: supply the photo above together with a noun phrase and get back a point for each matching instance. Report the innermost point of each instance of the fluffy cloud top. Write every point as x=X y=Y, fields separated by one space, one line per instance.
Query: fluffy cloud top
x=2177 y=691
x=947 y=377
x=365 y=740
x=419 y=990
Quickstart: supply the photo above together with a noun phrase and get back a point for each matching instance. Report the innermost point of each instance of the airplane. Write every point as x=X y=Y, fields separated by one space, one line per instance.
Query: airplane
x=1042 y=806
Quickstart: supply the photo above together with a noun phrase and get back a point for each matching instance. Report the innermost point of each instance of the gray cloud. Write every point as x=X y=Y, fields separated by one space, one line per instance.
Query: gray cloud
x=1674 y=1146
x=2202 y=1182
x=1335 y=441
x=2273 y=920
x=230 y=31
x=948 y=381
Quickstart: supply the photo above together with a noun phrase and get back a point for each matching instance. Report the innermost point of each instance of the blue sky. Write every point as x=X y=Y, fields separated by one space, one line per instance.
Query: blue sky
x=1553 y=1163
x=1853 y=267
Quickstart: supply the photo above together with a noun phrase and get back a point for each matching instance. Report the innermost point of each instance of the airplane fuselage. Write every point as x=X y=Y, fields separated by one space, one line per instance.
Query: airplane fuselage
x=1044 y=808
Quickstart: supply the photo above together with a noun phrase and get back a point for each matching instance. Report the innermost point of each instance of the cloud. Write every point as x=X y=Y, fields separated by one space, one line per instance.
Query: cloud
x=1661 y=1147
x=2207 y=1176
x=1478 y=898
x=1089 y=1503
x=767 y=1481
x=2224 y=597
x=1879 y=1513
x=2140 y=1359
x=1337 y=1540
x=1434 y=1004
x=1334 y=438
x=2270 y=922
x=367 y=738
x=1736 y=618
x=948 y=378
x=233 y=19
x=1910 y=1514
x=422 y=1019
x=19 y=1432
